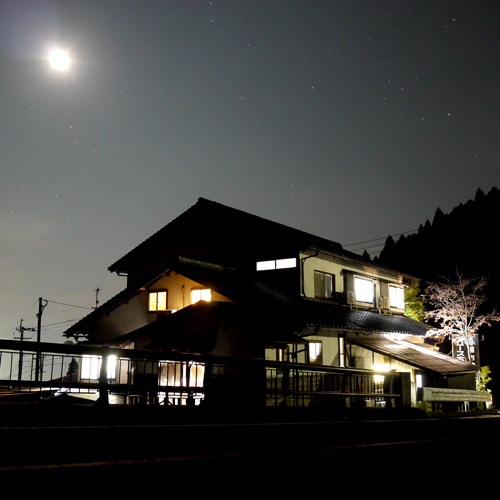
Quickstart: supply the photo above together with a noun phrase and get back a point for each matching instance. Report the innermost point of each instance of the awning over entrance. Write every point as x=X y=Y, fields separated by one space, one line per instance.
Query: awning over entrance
x=415 y=355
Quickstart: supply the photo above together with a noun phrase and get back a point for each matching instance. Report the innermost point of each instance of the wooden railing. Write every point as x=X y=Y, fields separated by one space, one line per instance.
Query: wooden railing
x=129 y=376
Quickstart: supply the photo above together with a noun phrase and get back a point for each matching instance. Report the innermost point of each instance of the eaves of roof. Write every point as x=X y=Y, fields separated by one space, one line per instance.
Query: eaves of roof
x=323 y=314
x=415 y=355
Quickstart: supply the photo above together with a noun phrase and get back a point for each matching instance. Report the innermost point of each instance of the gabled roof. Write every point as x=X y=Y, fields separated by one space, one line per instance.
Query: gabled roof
x=416 y=355
x=218 y=233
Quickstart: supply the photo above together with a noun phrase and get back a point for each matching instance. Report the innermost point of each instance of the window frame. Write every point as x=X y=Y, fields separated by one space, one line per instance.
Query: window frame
x=318 y=285
x=157 y=293
x=276 y=264
x=360 y=296
x=318 y=359
x=398 y=290
x=200 y=290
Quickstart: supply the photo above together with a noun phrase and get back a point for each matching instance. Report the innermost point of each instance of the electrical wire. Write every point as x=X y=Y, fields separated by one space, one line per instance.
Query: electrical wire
x=69 y=305
x=381 y=238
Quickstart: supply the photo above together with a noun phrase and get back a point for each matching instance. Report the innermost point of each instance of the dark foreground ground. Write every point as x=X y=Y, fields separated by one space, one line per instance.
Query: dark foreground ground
x=282 y=450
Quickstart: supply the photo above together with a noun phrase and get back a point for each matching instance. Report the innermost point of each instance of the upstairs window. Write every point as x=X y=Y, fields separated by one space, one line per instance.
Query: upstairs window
x=363 y=290
x=396 y=297
x=267 y=265
x=157 y=301
x=198 y=294
x=324 y=285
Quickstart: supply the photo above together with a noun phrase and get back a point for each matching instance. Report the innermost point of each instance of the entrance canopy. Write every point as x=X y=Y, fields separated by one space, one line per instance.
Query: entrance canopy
x=415 y=355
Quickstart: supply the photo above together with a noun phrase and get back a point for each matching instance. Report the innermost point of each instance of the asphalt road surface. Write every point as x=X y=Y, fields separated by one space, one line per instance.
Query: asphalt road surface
x=354 y=450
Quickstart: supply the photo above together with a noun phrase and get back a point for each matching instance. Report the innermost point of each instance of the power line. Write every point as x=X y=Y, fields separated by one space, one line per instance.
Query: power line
x=365 y=248
x=59 y=324
x=69 y=305
x=381 y=238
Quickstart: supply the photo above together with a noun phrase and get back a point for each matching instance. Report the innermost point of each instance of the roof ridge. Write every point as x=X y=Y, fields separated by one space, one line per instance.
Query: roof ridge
x=311 y=240
x=232 y=209
x=342 y=252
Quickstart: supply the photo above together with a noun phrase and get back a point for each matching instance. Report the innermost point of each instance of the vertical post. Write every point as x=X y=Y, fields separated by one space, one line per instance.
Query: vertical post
x=41 y=307
x=285 y=385
x=207 y=381
x=103 y=381
x=20 y=369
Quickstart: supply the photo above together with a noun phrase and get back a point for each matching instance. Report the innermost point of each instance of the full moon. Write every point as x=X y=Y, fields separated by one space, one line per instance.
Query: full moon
x=59 y=59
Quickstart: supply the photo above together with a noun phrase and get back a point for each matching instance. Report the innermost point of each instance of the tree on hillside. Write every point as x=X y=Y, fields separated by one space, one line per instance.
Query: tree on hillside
x=455 y=306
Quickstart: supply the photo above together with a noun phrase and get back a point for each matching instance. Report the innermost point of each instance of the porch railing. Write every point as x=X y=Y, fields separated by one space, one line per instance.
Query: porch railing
x=130 y=376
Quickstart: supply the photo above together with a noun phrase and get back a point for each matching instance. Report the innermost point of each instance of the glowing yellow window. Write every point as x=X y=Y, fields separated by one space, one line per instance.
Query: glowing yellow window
x=200 y=294
x=158 y=301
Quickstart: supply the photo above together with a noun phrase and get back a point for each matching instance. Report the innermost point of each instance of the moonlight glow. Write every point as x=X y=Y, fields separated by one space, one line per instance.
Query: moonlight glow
x=59 y=59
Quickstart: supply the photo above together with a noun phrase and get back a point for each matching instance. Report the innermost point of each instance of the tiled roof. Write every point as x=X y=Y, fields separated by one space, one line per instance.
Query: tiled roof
x=207 y=224
x=323 y=314
x=415 y=355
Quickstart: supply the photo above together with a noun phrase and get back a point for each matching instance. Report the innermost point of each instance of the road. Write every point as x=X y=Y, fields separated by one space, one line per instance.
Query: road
x=393 y=446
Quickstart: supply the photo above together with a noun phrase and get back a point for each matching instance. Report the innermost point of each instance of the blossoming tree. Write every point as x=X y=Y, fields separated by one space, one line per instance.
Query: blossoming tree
x=455 y=307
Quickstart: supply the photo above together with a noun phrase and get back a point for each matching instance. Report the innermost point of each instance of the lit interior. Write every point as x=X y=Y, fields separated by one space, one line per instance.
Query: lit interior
x=380 y=367
x=397 y=297
x=158 y=301
x=266 y=265
x=286 y=263
x=198 y=294
x=314 y=351
x=91 y=366
x=363 y=290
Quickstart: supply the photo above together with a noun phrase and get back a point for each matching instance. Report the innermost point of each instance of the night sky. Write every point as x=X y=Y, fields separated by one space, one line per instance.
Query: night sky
x=351 y=120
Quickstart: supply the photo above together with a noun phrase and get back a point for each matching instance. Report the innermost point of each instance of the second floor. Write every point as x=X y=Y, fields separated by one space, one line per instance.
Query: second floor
x=338 y=279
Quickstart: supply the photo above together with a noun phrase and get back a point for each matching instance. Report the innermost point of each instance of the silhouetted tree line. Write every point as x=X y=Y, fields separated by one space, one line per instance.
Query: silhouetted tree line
x=468 y=238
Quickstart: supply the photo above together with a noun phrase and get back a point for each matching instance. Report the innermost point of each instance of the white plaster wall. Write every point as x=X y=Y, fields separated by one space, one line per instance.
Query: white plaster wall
x=134 y=313
x=312 y=264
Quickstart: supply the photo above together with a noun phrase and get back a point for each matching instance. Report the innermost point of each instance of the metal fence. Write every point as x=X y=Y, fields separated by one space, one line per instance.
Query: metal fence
x=145 y=377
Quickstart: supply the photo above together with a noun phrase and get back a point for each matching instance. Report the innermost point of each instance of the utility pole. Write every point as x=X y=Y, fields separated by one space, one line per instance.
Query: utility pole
x=21 y=329
x=41 y=306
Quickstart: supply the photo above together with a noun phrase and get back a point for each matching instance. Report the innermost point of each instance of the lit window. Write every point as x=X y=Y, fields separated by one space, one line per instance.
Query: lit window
x=286 y=263
x=363 y=290
x=157 y=301
x=91 y=367
x=315 y=353
x=396 y=297
x=323 y=285
x=267 y=265
x=198 y=294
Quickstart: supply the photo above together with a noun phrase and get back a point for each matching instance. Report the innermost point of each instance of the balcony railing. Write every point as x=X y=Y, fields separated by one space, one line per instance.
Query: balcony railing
x=129 y=377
